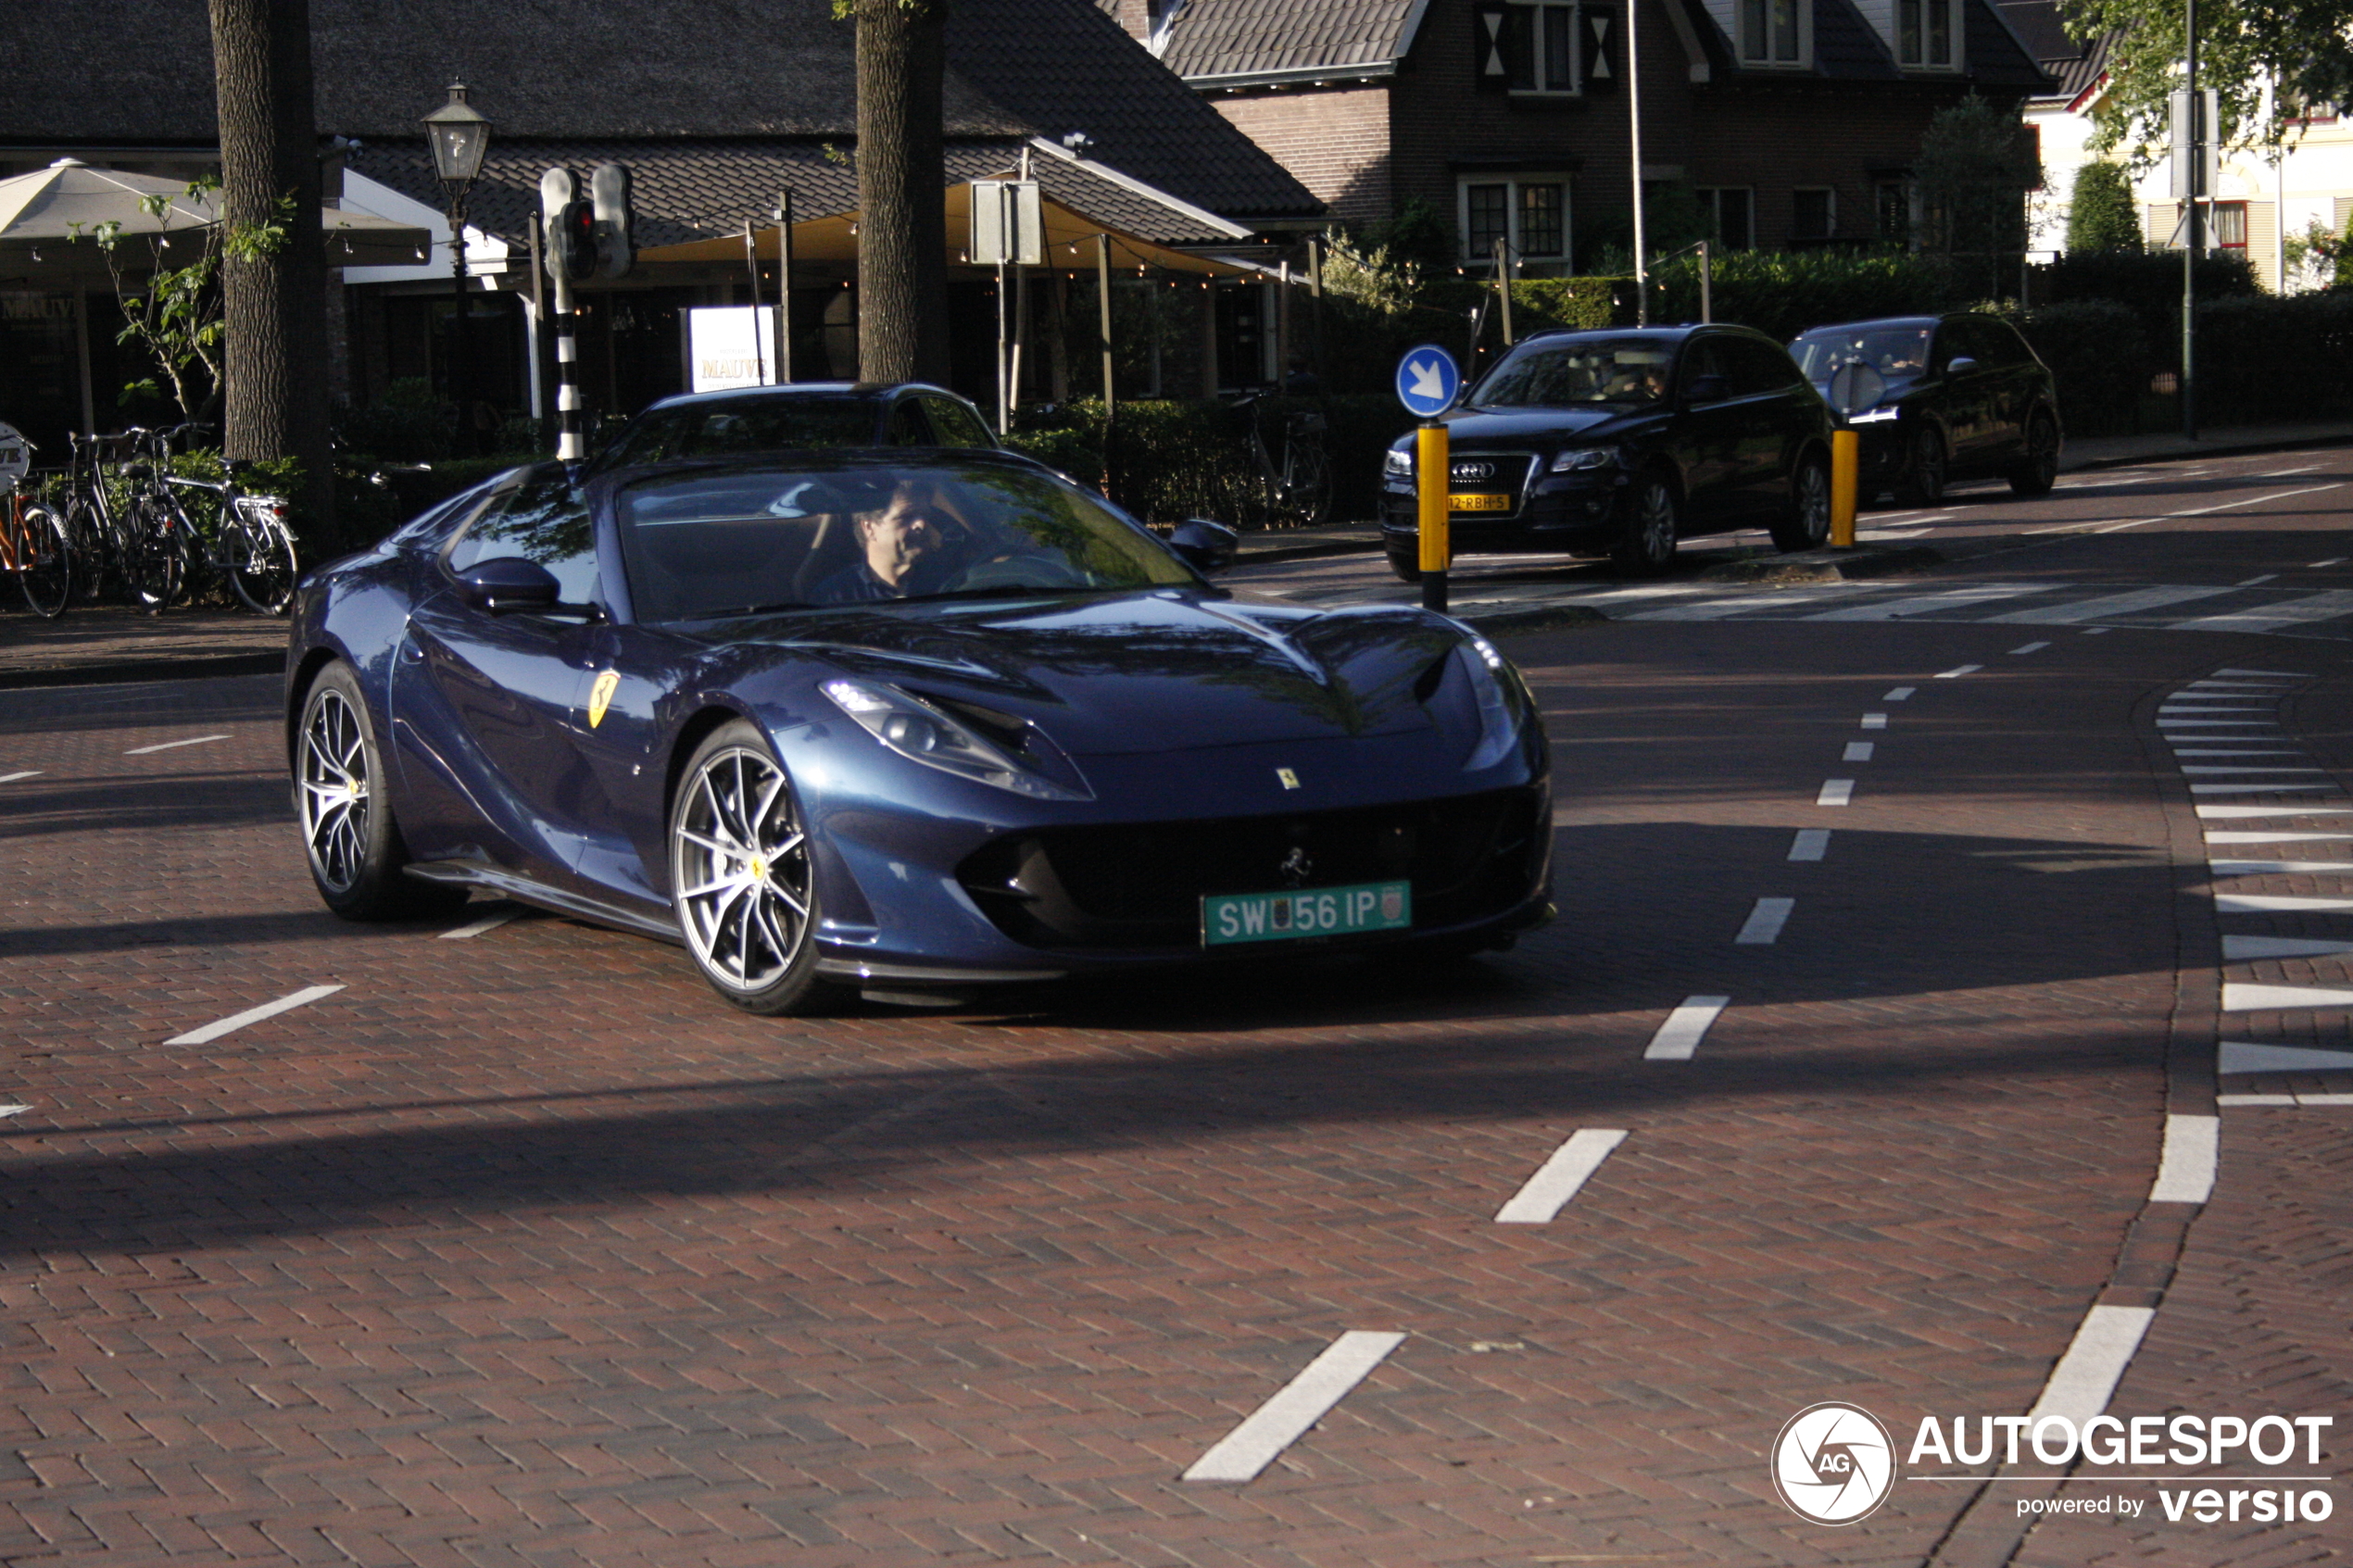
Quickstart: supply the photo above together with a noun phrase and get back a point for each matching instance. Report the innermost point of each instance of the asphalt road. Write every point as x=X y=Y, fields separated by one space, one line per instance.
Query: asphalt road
x=1925 y=1028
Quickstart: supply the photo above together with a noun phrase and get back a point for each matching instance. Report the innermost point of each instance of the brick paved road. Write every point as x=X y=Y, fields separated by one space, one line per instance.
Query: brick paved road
x=520 y=1250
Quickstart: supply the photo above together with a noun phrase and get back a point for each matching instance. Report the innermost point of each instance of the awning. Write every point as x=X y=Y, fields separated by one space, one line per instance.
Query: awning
x=48 y=219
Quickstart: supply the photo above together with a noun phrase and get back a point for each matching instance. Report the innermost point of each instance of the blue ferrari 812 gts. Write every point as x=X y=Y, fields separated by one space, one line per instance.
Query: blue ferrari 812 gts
x=905 y=721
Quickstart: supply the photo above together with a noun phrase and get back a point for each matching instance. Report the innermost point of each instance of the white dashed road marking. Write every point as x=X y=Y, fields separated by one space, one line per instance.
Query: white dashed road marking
x=2255 y=789
x=1874 y=721
x=2255 y=836
x=27 y=773
x=2108 y=605
x=1548 y=1190
x=1810 y=844
x=2031 y=648
x=488 y=922
x=1957 y=672
x=1685 y=1027
x=1300 y=1404
x=2278 y=904
x=2241 y=1057
x=2095 y=1361
x=1900 y=693
x=2239 y=997
x=2238 y=949
x=1835 y=792
x=12 y=1108
x=1763 y=924
x=303 y=998
x=1858 y=751
x=171 y=744
x=2185 y=1171
x=2223 y=813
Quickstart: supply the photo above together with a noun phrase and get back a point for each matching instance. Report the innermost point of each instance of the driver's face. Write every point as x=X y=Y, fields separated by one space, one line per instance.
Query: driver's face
x=898 y=536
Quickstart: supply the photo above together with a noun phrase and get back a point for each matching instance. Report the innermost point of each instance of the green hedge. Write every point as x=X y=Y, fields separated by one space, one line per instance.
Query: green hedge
x=1782 y=294
x=2100 y=361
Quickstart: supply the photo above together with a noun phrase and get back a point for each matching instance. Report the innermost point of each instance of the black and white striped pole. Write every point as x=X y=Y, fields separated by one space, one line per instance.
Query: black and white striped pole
x=560 y=206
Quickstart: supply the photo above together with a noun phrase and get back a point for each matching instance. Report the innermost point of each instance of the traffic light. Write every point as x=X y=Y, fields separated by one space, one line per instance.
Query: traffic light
x=608 y=191
x=574 y=240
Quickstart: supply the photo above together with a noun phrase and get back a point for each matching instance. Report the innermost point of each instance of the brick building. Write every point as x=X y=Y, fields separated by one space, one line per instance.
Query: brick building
x=1795 y=121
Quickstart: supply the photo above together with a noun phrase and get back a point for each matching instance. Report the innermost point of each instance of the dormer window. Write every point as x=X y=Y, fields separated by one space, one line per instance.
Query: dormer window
x=1776 y=34
x=1926 y=38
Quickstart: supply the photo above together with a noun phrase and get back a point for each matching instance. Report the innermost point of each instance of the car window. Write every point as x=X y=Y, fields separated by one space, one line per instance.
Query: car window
x=742 y=538
x=649 y=439
x=1703 y=356
x=908 y=426
x=1958 y=340
x=956 y=425
x=544 y=519
x=1550 y=373
x=1756 y=368
x=766 y=423
x=1998 y=342
x=1897 y=353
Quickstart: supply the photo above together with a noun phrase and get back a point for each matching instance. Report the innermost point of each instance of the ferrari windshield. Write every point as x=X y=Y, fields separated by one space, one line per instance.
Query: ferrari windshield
x=704 y=543
x=1557 y=375
x=1897 y=351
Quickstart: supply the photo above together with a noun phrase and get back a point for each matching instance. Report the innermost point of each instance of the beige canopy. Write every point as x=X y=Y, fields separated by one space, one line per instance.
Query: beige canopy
x=47 y=220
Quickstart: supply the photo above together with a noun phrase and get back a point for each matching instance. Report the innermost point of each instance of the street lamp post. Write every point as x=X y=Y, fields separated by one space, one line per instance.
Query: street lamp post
x=460 y=138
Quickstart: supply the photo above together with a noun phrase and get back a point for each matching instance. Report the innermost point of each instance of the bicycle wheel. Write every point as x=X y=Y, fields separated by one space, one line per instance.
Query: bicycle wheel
x=261 y=556
x=96 y=558
x=1307 y=483
x=154 y=565
x=44 y=562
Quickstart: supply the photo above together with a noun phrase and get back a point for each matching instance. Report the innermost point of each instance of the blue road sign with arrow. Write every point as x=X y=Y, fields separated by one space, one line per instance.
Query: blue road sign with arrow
x=1427 y=380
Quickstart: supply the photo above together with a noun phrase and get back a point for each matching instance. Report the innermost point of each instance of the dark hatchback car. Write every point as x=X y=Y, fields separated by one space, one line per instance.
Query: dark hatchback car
x=1936 y=399
x=802 y=415
x=1622 y=441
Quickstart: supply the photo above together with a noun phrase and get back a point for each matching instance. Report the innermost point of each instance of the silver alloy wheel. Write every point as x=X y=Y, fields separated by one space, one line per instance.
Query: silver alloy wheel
x=1654 y=523
x=740 y=863
x=335 y=792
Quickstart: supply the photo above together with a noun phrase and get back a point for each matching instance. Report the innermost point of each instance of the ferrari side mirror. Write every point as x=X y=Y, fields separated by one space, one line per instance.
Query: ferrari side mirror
x=504 y=584
x=1205 y=546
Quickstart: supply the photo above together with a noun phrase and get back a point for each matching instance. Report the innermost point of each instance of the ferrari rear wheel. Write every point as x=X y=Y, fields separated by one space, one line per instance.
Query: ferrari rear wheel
x=740 y=876
x=347 y=829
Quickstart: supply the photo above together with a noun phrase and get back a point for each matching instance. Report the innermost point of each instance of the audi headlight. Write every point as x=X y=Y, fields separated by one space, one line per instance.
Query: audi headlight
x=1496 y=689
x=1397 y=463
x=924 y=731
x=1577 y=459
x=1873 y=417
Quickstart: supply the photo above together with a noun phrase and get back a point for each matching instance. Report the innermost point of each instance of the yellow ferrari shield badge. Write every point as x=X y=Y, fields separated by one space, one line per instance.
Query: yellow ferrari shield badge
x=601 y=697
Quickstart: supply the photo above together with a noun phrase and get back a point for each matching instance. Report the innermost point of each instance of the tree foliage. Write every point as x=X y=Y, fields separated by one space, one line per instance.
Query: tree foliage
x=1975 y=168
x=2102 y=215
x=2303 y=47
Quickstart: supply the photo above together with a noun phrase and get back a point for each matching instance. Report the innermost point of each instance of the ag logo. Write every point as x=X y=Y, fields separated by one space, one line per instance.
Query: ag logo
x=1833 y=1464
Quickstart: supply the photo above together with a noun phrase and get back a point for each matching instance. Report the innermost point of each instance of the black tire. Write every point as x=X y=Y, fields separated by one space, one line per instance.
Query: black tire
x=1406 y=563
x=261 y=560
x=742 y=881
x=1924 y=478
x=1645 y=546
x=154 y=565
x=349 y=837
x=1808 y=524
x=2039 y=470
x=45 y=570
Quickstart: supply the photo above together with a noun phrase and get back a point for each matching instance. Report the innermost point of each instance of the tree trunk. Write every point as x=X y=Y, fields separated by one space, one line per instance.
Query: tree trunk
x=903 y=228
x=273 y=305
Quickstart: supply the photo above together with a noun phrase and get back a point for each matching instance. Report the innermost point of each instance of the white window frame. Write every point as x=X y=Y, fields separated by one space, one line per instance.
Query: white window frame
x=1830 y=191
x=1575 y=86
x=1756 y=54
x=1956 y=18
x=1709 y=196
x=1511 y=184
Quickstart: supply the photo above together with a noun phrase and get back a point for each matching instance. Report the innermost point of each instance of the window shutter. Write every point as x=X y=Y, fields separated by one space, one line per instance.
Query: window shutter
x=1490 y=69
x=1601 y=48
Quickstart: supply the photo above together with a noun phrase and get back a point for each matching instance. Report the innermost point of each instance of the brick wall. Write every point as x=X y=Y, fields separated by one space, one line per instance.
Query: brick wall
x=1334 y=140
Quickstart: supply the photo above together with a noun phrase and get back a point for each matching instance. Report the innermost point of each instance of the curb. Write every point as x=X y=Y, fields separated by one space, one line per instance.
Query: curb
x=206 y=666
x=1827 y=566
x=2240 y=449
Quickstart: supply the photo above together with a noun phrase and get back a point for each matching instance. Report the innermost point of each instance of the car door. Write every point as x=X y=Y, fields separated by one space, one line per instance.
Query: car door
x=487 y=707
x=2014 y=380
x=1966 y=388
x=1766 y=388
x=1704 y=436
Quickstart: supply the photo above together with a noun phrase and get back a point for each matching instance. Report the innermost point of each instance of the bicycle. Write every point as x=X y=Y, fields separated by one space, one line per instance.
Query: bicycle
x=97 y=531
x=244 y=538
x=1299 y=479
x=32 y=542
x=160 y=555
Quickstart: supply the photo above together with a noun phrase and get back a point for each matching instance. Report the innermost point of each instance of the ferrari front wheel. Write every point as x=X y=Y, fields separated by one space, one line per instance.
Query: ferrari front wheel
x=347 y=829
x=740 y=876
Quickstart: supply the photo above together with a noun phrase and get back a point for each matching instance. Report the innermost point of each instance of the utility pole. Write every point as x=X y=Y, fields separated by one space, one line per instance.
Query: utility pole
x=784 y=286
x=1634 y=122
x=2196 y=161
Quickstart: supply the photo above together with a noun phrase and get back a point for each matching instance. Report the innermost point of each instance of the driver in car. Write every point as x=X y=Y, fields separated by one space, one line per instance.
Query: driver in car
x=893 y=539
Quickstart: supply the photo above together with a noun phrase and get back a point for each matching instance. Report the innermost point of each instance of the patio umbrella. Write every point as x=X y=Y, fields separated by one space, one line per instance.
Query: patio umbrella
x=42 y=213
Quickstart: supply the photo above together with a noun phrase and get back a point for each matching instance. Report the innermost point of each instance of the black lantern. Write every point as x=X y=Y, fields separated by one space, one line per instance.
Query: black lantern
x=460 y=139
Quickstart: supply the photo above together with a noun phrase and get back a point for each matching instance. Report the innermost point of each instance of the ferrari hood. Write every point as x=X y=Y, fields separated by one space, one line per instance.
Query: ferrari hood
x=1142 y=672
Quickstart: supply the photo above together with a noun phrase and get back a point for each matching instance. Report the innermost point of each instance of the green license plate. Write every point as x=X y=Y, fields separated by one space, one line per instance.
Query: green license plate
x=1313 y=911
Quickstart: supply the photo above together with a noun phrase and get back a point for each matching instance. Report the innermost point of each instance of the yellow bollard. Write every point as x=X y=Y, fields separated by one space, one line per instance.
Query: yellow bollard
x=1432 y=474
x=1847 y=458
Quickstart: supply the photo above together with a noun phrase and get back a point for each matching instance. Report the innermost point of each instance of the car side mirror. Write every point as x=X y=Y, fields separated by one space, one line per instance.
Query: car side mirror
x=1205 y=546
x=1963 y=363
x=505 y=585
x=1707 y=389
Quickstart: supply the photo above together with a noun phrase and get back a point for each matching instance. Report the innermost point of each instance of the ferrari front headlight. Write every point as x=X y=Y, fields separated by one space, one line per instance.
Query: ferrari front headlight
x=924 y=732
